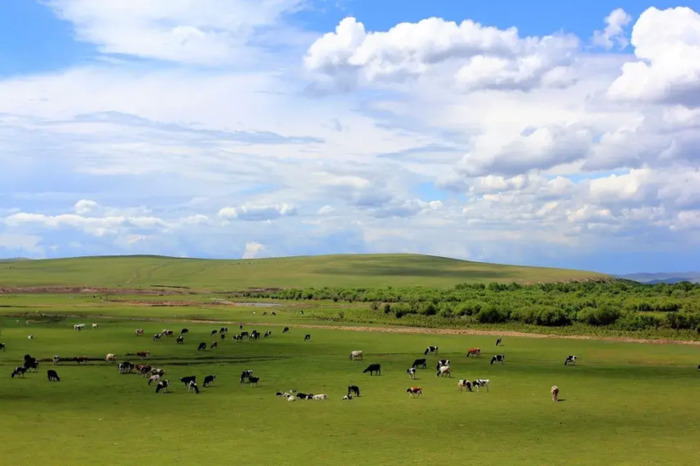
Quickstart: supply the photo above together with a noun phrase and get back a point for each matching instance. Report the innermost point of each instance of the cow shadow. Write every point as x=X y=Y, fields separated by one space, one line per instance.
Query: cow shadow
x=561 y=400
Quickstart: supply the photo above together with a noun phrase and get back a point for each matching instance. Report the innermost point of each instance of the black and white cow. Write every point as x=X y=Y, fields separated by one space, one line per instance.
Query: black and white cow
x=442 y=362
x=570 y=360
x=192 y=386
x=353 y=389
x=268 y=333
x=157 y=336
x=180 y=340
x=372 y=368
x=498 y=358
x=202 y=346
x=444 y=371
x=126 y=367
x=499 y=341
x=411 y=371
x=19 y=371
x=464 y=383
x=214 y=332
x=153 y=378
x=253 y=380
x=481 y=383
x=238 y=337
x=214 y=345
x=2 y=346
x=53 y=376
x=188 y=379
x=307 y=337
x=208 y=380
x=162 y=385
x=431 y=349
x=420 y=362
x=222 y=335
x=245 y=375
x=56 y=359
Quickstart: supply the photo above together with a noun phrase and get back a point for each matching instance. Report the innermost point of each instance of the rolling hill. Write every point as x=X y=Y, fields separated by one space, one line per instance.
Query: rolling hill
x=364 y=270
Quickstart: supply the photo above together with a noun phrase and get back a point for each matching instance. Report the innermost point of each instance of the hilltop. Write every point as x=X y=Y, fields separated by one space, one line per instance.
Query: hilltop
x=360 y=270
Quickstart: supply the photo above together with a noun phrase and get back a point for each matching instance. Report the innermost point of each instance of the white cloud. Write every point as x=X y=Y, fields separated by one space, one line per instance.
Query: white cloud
x=667 y=46
x=85 y=206
x=253 y=250
x=614 y=32
x=258 y=213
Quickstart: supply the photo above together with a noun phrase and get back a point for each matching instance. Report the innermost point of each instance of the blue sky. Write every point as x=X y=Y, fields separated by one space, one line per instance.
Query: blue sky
x=555 y=133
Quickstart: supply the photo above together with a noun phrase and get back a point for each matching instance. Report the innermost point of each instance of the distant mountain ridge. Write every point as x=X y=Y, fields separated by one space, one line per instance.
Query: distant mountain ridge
x=670 y=277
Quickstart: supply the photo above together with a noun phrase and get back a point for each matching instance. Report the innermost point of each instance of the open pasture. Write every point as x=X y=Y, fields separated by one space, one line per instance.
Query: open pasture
x=621 y=404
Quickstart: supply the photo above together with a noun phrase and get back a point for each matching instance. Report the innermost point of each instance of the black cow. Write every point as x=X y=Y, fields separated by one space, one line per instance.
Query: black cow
x=53 y=376
x=214 y=332
x=184 y=330
x=213 y=345
x=246 y=375
x=253 y=380
x=498 y=358
x=353 y=389
x=2 y=346
x=208 y=380
x=268 y=333
x=286 y=329
x=499 y=341
x=571 y=359
x=180 y=340
x=19 y=371
x=188 y=379
x=202 y=346
x=162 y=385
x=307 y=337
x=430 y=349
x=223 y=330
x=223 y=335
x=193 y=386
x=244 y=334
x=372 y=368
x=419 y=362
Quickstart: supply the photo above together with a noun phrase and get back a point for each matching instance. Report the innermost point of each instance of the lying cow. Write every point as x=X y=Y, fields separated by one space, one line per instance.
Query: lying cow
x=53 y=376
x=214 y=345
x=420 y=362
x=498 y=358
x=184 y=331
x=267 y=334
x=570 y=360
x=357 y=354
x=463 y=383
x=372 y=368
x=322 y=396
x=413 y=391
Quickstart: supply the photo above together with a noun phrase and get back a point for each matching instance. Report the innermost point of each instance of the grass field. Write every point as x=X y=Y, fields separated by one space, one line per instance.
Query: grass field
x=368 y=270
x=623 y=404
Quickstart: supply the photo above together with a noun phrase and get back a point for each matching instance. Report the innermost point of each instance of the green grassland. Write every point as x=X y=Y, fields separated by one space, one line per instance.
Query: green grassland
x=364 y=270
x=623 y=403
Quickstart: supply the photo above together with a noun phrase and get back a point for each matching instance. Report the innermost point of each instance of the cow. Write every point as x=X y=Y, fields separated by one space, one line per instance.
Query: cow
x=143 y=354
x=126 y=367
x=555 y=393
x=570 y=360
x=2 y=346
x=31 y=363
x=431 y=349
x=414 y=391
x=19 y=371
x=291 y=398
x=246 y=375
x=238 y=337
x=214 y=345
x=322 y=396
x=353 y=389
x=180 y=340
x=79 y=359
x=411 y=371
x=167 y=332
x=159 y=372
x=444 y=371
x=286 y=329
x=498 y=358
x=474 y=351
x=78 y=326
x=153 y=378
x=162 y=385
x=139 y=332
x=253 y=380
x=245 y=334
x=420 y=362
x=157 y=336
x=372 y=368
x=267 y=334
x=111 y=357
x=307 y=337
x=56 y=359
x=188 y=379
x=222 y=335
x=442 y=362
x=481 y=383
x=499 y=341
x=53 y=376
x=208 y=380
x=95 y=325
x=202 y=346
x=223 y=330
x=193 y=387
x=357 y=354
x=143 y=369
x=347 y=397
x=184 y=331
x=30 y=337
x=463 y=383
x=254 y=335
x=214 y=332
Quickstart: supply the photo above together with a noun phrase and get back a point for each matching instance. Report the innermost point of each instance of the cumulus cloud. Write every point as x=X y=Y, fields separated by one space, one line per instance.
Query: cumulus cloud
x=85 y=206
x=667 y=70
x=257 y=213
x=495 y=58
x=614 y=32
x=252 y=250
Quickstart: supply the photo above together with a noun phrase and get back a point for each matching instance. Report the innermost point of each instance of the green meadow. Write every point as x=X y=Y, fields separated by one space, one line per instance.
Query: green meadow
x=624 y=403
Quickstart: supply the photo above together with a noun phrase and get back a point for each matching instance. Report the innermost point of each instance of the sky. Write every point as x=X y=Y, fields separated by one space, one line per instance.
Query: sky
x=563 y=134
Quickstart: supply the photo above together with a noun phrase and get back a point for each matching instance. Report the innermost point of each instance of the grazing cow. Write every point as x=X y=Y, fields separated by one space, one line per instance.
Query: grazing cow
x=498 y=358
x=188 y=379
x=286 y=329
x=143 y=369
x=193 y=387
x=184 y=331
x=159 y=372
x=143 y=354
x=411 y=371
x=95 y=325
x=246 y=375
x=139 y=332
x=347 y=397
x=79 y=359
x=570 y=360
x=420 y=362
x=307 y=337
x=273 y=313
x=111 y=357
x=179 y=340
x=253 y=380
x=214 y=345
x=208 y=380
x=153 y=378
x=357 y=354
x=167 y=333
x=202 y=346
x=444 y=371
x=442 y=362
x=268 y=333
x=19 y=371
x=353 y=389
x=238 y=337
x=555 y=393
x=2 y=346
x=157 y=336
x=56 y=359
x=322 y=396
x=214 y=332
x=254 y=335
x=463 y=383
x=31 y=363
x=245 y=334
x=223 y=330
x=431 y=349
x=53 y=376
x=481 y=383
x=474 y=351
x=126 y=367
x=78 y=326
x=163 y=385
x=499 y=341
x=414 y=391
x=372 y=368
x=30 y=337
x=698 y=366
x=223 y=335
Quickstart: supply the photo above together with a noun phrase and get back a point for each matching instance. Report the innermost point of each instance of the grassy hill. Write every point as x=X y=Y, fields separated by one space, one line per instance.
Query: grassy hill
x=366 y=270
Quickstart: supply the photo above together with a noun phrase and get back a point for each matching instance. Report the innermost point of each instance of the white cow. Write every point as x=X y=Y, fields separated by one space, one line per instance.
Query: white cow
x=78 y=326
x=111 y=357
x=322 y=396
x=95 y=325
x=357 y=354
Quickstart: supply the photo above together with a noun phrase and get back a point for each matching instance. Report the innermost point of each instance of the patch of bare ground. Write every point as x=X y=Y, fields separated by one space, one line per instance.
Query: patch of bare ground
x=85 y=290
